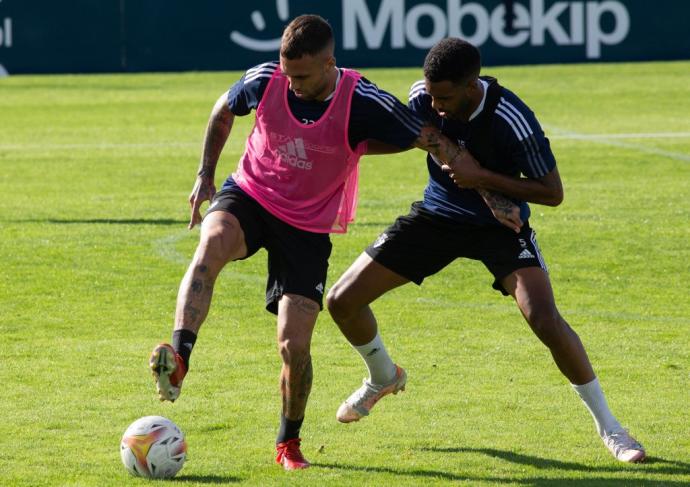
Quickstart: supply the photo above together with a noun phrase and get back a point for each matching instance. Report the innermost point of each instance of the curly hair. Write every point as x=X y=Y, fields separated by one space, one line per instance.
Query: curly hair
x=452 y=59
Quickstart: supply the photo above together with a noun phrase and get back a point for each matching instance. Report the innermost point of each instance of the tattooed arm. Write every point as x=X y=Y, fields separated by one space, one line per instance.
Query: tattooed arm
x=504 y=210
x=217 y=132
x=453 y=157
x=546 y=190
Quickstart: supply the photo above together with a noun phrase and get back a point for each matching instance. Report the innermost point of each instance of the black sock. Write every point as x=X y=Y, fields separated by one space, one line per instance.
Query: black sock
x=288 y=429
x=183 y=342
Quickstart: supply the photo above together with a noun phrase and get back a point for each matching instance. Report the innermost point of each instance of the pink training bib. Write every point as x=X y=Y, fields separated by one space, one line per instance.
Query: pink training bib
x=304 y=174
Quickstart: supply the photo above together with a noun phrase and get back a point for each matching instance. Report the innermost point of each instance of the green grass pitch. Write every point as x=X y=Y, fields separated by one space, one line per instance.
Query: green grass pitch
x=95 y=175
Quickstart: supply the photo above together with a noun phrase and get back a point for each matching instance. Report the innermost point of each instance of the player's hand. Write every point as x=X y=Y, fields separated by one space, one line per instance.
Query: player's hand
x=504 y=210
x=464 y=170
x=204 y=190
x=509 y=217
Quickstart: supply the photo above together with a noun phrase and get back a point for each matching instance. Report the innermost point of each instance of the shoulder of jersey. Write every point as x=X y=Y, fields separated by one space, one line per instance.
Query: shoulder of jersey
x=515 y=114
x=264 y=70
x=370 y=91
x=416 y=90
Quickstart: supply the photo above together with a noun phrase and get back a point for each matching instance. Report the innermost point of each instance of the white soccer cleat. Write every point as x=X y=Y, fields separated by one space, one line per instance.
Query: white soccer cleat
x=624 y=447
x=168 y=371
x=363 y=399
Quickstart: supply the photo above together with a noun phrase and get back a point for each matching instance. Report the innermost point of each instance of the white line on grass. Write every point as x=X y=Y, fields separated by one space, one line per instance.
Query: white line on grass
x=588 y=315
x=560 y=134
x=648 y=135
x=608 y=139
x=166 y=248
x=105 y=146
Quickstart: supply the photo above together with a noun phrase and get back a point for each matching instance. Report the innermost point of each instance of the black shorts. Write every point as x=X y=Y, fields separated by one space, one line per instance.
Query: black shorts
x=420 y=244
x=297 y=259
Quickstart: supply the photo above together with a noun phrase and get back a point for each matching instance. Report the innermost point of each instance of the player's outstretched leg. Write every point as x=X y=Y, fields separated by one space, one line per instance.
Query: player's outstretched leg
x=532 y=291
x=220 y=241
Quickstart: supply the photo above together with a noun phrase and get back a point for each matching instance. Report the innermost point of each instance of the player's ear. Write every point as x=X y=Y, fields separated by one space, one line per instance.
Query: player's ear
x=471 y=84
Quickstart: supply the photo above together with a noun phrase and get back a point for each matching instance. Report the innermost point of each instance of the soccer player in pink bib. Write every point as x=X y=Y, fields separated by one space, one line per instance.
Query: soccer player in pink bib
x=295 y=183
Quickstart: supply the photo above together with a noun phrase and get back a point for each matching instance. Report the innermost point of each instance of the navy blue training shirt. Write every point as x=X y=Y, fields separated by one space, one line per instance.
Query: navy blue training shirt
x=518 y=146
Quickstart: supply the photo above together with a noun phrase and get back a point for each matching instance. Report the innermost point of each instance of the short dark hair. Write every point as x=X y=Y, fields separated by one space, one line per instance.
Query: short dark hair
x=452 y=59
x=305 y=35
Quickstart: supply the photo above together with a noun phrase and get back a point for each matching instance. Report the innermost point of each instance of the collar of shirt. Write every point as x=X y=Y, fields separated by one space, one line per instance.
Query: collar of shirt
x=479 y=109
x=337 y=80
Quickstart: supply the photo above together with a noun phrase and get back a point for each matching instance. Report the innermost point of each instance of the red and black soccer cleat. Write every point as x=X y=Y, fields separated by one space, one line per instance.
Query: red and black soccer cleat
x=290 y=456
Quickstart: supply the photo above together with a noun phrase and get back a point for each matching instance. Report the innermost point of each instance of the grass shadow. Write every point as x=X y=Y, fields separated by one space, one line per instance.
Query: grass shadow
x=436 y=474
x=528 y=481
x=209 y=479
x=658 y=465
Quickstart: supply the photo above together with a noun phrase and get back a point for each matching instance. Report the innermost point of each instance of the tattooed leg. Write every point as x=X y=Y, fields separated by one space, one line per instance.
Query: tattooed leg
x=194 y=297
x=296 y=320
x=221 y=240
x=295 y=386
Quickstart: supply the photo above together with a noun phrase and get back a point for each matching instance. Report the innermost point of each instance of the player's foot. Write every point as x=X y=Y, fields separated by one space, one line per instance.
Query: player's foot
x=624 y=447
x=363 y=399
x=290 y=456
x=168 y=371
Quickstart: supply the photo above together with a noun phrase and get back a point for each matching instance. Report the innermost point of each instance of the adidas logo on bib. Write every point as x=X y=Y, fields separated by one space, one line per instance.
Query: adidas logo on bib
x=294 y=153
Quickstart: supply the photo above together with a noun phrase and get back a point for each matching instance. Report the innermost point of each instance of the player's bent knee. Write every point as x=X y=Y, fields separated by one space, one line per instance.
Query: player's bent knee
x=292 y=350
x=222 y=240
x=339 y=305
x=211 y=251
x=549 y=327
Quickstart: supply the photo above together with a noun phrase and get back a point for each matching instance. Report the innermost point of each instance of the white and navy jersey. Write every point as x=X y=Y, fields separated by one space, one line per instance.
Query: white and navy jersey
x=502 y=134
x=375 y=114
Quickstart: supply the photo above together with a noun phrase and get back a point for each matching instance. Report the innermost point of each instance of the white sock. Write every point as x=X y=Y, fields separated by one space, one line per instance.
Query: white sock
x=593 y=397
x=381 y=367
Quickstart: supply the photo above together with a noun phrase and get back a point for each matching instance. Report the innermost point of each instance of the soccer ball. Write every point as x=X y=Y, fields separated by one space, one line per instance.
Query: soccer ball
x=153 y=447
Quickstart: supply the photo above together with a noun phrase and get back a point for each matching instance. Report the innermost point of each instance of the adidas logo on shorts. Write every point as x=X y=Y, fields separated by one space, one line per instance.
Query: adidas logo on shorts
x=526 y=254
x=380 y=240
